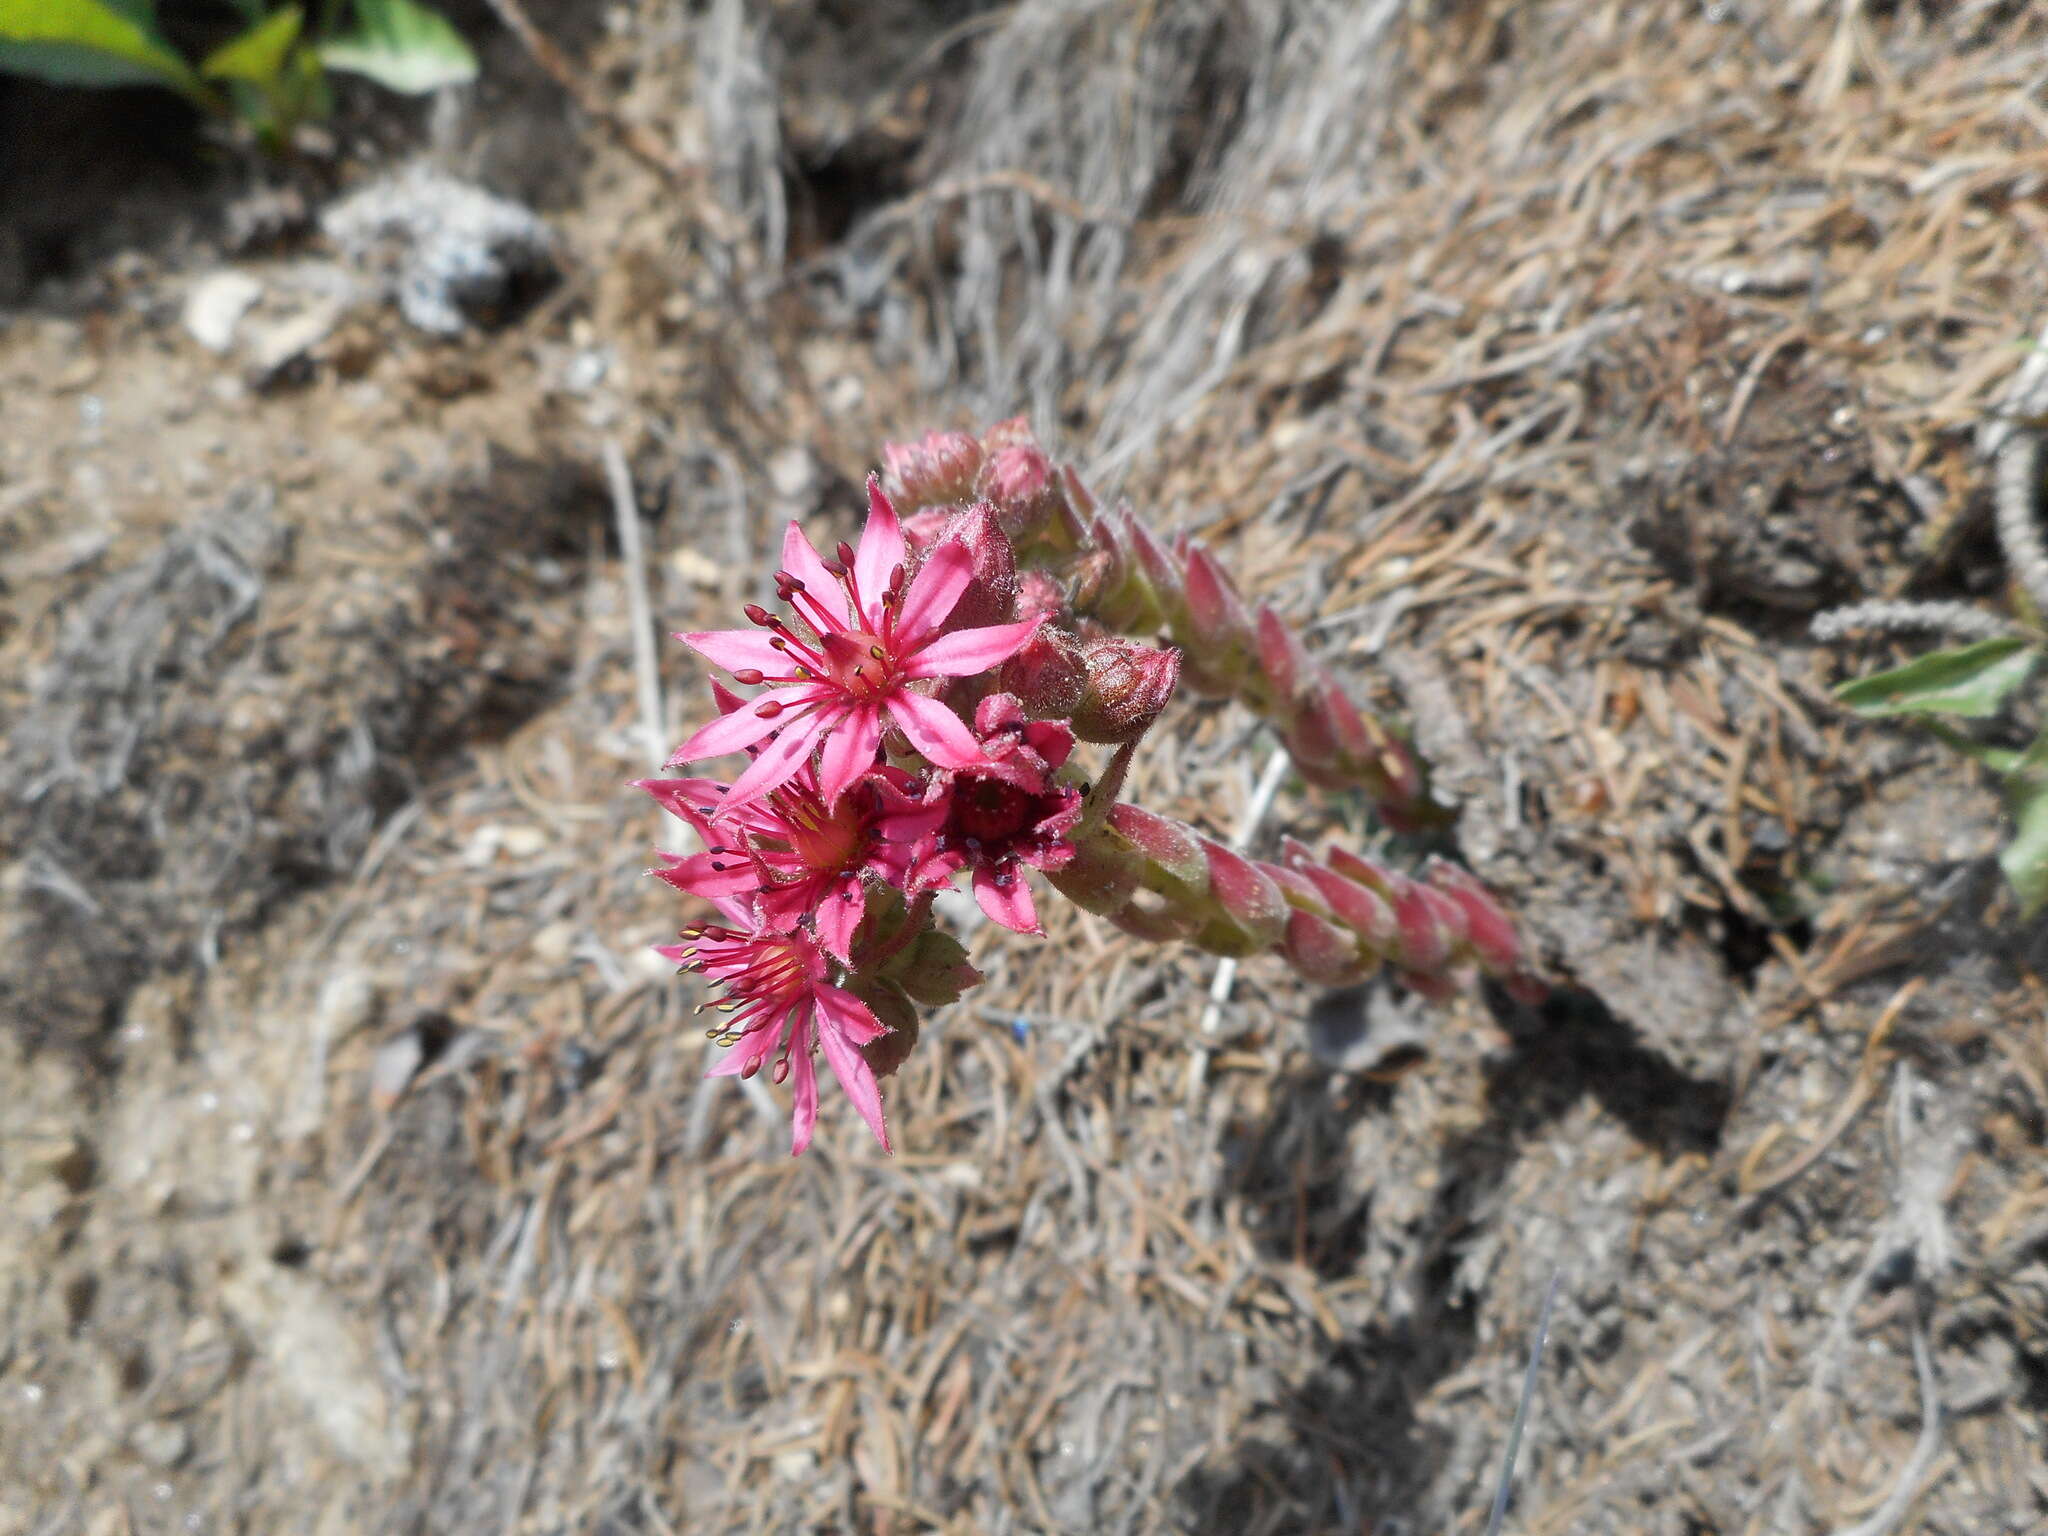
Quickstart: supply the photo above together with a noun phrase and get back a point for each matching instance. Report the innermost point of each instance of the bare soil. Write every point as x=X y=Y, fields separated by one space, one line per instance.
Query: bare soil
x=1553 y=364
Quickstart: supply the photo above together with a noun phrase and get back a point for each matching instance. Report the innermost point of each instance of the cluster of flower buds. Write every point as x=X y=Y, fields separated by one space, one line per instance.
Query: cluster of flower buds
x=1120 y=576
x=914 y=711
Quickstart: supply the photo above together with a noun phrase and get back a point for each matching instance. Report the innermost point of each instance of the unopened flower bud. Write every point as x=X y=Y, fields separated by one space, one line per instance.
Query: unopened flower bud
x=1048 y=675
x=1039 y=596
x=1019 y=480
x=991 y=596
x=936 y=471
x=1128 y=685
x=921 y=530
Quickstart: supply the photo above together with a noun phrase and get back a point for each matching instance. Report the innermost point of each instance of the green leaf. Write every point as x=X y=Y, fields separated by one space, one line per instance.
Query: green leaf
x=403 y=47
x=1972 y=681
x=91 y=42
x=258 y=55
x=2025 y=858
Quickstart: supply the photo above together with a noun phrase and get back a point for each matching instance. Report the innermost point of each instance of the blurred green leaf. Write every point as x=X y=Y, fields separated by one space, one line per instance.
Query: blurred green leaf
x=92 y=42
x=1971 y=681
x=2025 y=858
x=403 y=47
x=258 y=55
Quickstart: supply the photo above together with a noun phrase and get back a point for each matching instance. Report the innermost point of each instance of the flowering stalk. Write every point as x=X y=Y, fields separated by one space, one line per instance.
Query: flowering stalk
x=914 y=711
x=1336 y=920
x=1121 y=576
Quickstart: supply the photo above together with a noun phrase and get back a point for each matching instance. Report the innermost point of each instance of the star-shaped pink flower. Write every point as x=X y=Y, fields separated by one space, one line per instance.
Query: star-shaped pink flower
x=794 y=855
x=862 y=638
x=777 y=994
x=1004 y=813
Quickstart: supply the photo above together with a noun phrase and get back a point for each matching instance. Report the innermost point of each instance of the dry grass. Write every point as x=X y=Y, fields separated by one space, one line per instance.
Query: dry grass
x=1555 y=364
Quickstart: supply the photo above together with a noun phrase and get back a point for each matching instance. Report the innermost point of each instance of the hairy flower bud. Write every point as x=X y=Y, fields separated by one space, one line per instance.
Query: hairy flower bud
x=1039 y=596
x=991 y=597
x=1128 y=685
x=1047 y=675
x=936 y=471
x=1019 y=480
x=921 y=530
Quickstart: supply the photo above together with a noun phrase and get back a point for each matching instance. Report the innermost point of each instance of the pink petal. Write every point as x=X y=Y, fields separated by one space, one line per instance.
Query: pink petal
x=734 y=732
x=803 y=1094
x=734 y=649
x=881 y=547
x=934 y=592
x=850 y=1068
x=1011 y=904
x=913 y=822
x=696 y=876
x=849 y=752
x=934 y=730
x=778 y=762
x=839 y=918
x=937 y=868
x=698 y=795
x=800 y=559
x=783 y=907
x=966 y=652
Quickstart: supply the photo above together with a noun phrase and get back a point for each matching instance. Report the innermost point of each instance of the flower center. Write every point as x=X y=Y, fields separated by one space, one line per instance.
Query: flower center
x=990 y=811
x=858 y=663
x=824 y=840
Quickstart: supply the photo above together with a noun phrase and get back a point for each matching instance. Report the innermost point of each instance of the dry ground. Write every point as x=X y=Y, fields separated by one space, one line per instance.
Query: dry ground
x=1555 y=362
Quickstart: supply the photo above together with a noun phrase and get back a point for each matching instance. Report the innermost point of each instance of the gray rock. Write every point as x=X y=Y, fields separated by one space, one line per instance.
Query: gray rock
x=446 y=252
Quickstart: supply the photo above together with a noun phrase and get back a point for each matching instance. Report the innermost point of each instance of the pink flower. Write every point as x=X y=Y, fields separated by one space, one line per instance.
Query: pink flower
x=799 y=857
x=1004 y=812
x=777 y=995
x=864 y=640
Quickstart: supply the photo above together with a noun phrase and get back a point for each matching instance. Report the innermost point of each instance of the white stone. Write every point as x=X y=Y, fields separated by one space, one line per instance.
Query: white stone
x=215 y=305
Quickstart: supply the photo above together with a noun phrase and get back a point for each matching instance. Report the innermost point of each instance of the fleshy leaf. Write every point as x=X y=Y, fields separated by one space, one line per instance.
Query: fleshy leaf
x=1972 y=681
x=403 y=47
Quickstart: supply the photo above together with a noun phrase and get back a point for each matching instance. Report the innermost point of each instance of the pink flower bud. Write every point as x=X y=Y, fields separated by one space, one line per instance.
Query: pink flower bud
x=1048 y=675
x=1019 y=480
x=1039 y=596
x=936 y=471
x=921 y=530
x=1128 y=685
x=991 y=597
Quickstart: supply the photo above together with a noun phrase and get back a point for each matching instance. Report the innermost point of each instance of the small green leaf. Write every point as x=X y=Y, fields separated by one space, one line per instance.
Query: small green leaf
x=2025 y=858
x=1971 y=681
x=258 y=55
x=91 y=42
x=403 y=47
